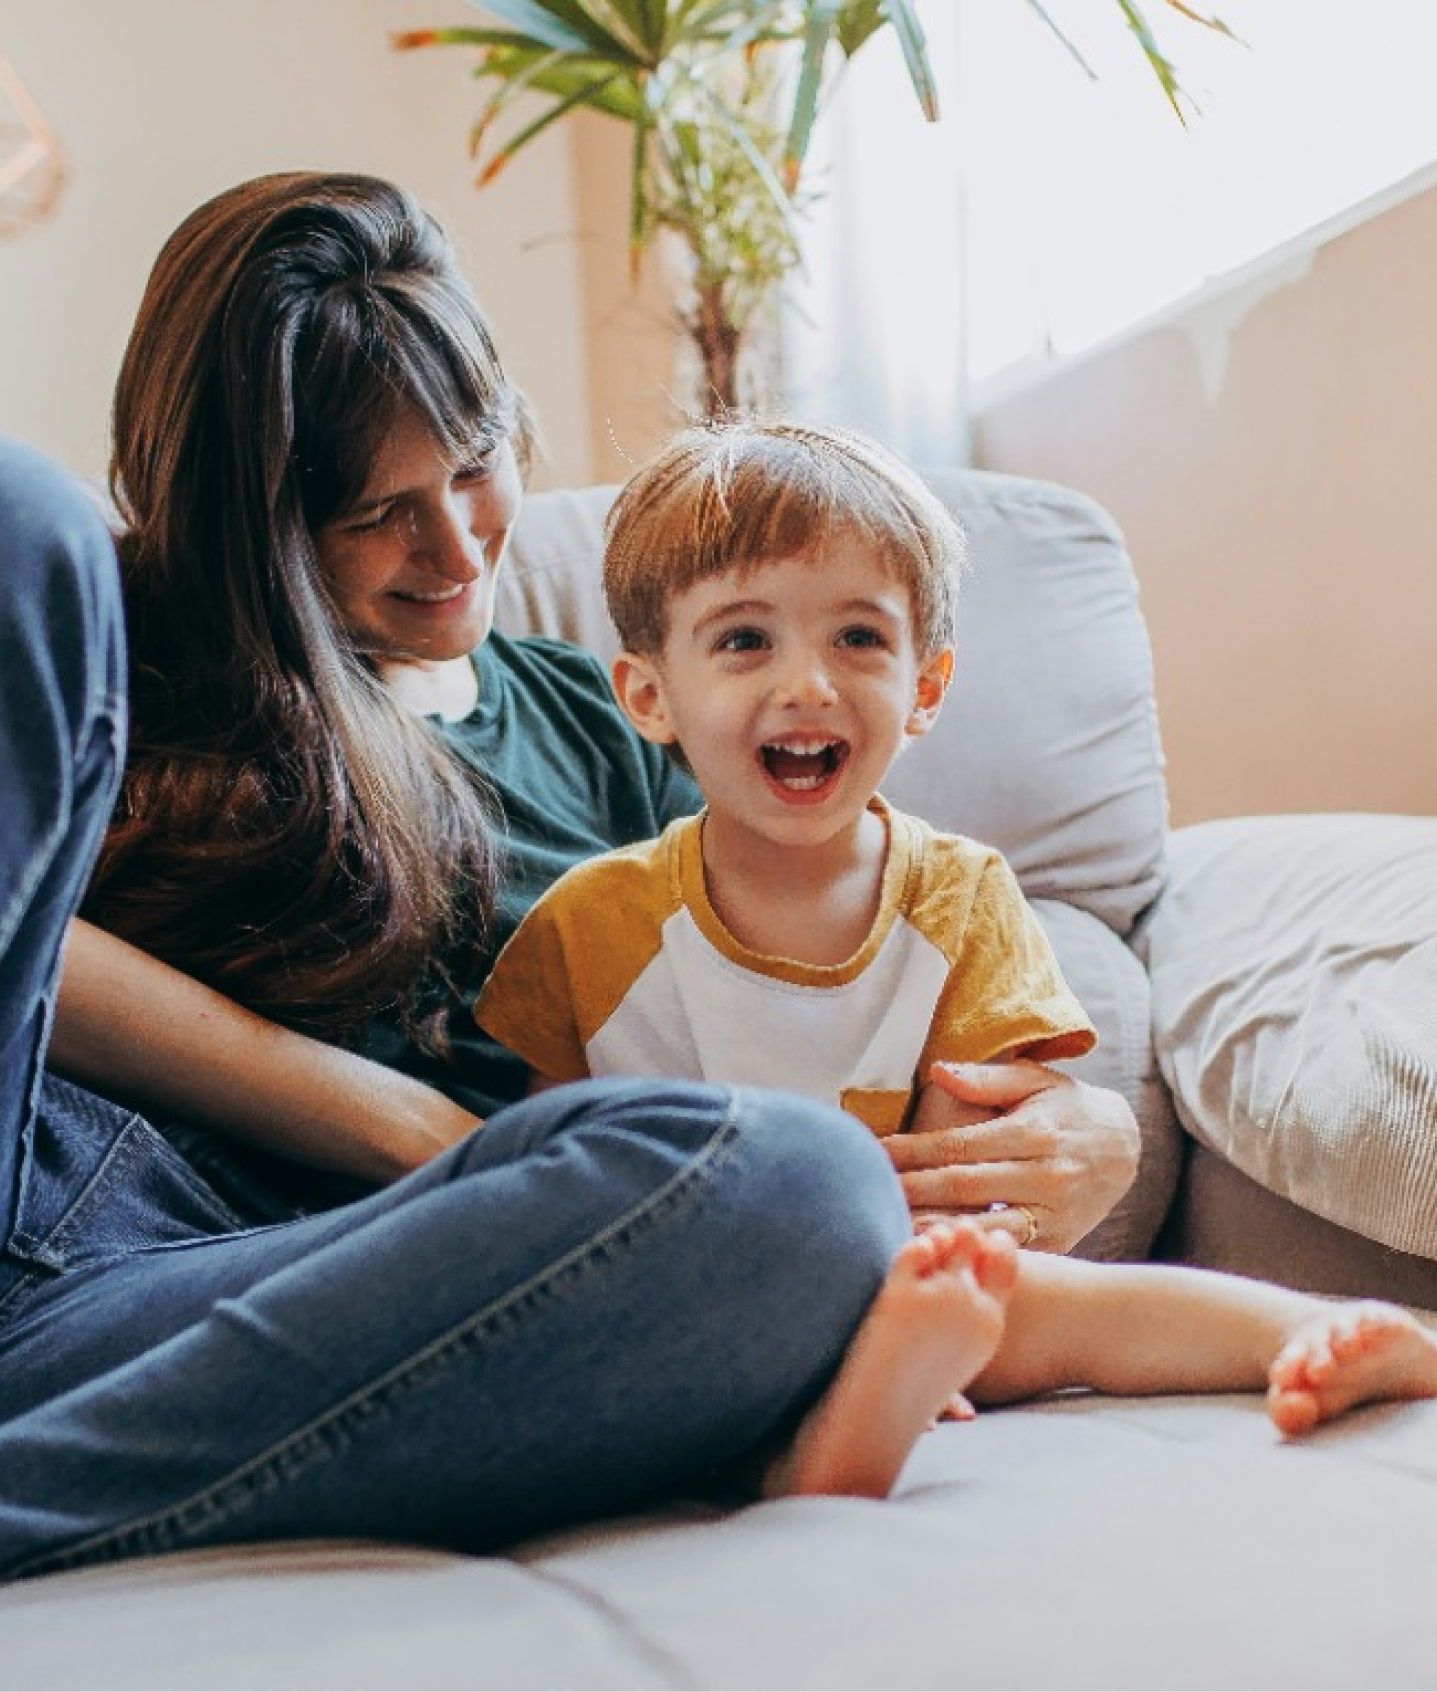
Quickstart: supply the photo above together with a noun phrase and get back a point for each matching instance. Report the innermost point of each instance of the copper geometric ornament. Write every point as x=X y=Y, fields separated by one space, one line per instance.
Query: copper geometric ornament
x=32 y=162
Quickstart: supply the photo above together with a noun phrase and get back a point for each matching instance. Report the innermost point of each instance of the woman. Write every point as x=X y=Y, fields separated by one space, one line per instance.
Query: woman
x=317 y=456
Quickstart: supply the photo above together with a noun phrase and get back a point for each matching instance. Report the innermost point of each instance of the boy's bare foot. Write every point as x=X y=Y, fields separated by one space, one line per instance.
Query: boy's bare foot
x=1352 y=1354
x=936 y=1321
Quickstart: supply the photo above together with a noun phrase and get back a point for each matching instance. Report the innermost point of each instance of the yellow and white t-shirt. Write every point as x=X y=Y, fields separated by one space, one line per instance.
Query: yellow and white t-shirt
x=624 y=968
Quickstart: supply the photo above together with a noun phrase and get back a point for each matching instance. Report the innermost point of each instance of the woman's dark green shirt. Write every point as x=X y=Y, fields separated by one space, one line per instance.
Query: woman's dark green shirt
x=570 y=779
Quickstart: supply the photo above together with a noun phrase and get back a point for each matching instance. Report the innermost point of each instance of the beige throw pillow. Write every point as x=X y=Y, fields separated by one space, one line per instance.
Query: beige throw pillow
x=1294 y=976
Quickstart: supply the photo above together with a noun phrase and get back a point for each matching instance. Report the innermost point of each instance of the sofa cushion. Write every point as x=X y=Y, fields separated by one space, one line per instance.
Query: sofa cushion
x=1113 y=988
x=1079 y=1542
x=1224 y=1220
x=1048 y=746
x=550 y=581
x=1294 y=975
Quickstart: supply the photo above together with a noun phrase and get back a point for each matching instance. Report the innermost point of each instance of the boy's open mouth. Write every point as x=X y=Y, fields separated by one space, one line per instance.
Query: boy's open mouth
x=802 y=765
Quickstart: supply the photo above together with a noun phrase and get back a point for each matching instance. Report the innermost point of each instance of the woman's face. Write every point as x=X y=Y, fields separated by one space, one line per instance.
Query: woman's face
x=413 y=566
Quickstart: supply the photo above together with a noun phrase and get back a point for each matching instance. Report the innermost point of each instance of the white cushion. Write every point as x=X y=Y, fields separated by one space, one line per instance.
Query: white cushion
x=1293 y=964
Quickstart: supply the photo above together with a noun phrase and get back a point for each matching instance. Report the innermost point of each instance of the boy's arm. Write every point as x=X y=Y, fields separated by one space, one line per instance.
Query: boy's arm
x=993 y=1127
x=146 y=1035
x=1004 y=999
x=540 y=996
x=527 y=1005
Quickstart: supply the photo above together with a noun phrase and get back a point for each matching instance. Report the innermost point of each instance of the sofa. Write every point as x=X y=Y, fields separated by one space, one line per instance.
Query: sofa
x=1266 y=995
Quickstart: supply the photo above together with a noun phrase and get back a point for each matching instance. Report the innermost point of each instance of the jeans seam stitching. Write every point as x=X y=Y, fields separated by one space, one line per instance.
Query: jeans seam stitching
x=20 y=899
x=164 y=1529
x=26 y=1242
x=125 y=1151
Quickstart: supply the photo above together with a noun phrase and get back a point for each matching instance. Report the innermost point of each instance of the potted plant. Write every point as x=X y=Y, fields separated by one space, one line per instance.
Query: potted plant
x=721 y=97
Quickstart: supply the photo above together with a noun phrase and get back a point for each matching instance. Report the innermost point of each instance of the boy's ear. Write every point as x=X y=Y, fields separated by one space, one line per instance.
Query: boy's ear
x=934 y=675
x=639 y=691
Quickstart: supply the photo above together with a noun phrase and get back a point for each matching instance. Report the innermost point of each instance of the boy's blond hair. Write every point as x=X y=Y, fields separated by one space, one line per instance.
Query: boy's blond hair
x=737 y=494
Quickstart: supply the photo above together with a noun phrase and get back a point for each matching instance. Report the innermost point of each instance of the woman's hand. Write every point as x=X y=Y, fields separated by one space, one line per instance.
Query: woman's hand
x=1024 y=1147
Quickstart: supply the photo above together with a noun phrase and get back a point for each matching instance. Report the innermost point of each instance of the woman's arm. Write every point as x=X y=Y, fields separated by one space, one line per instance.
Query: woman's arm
x=145 y=1035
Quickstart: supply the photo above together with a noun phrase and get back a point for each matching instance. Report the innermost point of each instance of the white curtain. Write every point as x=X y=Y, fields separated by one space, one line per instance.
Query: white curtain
x=873 y=329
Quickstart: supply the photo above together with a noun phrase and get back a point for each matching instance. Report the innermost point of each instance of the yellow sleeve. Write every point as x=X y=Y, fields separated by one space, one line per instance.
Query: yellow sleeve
x=1005 y=994
x=570 y=963
x=528 y=1001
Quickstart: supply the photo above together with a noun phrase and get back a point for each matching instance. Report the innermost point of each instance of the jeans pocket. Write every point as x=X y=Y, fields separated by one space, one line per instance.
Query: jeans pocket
x=100 y=1182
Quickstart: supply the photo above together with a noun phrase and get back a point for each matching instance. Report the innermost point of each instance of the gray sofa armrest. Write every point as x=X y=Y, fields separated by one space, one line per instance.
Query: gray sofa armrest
x=1113 y=988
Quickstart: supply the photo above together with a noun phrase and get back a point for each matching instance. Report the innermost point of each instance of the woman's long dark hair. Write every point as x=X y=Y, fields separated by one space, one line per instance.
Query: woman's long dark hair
x=287 y=832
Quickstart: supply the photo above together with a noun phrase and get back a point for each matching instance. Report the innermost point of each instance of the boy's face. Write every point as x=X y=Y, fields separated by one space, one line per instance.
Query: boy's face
x=791 y=687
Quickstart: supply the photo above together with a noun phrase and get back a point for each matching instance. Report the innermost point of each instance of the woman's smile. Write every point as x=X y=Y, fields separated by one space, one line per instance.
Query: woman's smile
x=412 y=569
x=439 y=596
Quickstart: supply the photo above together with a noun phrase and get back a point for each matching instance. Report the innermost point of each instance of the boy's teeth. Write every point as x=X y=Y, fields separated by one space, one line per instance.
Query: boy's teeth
x=801 y=765
x=804 y=748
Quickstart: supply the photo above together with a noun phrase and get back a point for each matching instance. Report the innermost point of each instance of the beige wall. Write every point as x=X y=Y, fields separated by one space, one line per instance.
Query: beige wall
x=1267 y=452
x=1271 y=455
x=163 y=102
x=631 y=334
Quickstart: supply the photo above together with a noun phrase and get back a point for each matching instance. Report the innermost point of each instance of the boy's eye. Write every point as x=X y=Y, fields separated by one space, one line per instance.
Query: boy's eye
x=740 y=640
x=862 y=636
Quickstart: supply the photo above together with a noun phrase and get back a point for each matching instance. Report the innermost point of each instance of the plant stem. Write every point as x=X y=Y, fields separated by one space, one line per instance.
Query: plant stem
x=718 y=339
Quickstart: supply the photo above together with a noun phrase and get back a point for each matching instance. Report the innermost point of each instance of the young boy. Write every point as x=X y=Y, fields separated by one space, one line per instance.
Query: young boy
x=785 y=597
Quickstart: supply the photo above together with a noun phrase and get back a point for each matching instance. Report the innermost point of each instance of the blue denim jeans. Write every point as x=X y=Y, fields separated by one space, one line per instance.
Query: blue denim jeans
x=607 y=1292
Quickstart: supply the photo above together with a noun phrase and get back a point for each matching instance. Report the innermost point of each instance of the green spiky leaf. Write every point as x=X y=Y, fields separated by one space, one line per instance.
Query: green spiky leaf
x=715 y=157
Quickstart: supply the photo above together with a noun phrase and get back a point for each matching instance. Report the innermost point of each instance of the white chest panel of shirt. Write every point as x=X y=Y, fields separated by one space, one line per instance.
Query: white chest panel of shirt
x=695 y=1013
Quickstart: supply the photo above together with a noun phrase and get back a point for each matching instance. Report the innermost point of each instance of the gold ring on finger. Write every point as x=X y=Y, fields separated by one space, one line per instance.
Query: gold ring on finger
x=1030 y=1233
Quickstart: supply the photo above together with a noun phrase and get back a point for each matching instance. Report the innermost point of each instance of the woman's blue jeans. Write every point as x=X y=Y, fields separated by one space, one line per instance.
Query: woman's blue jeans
x=604 y=1294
